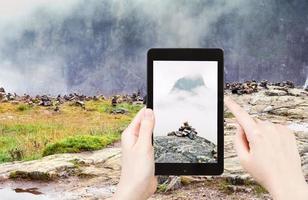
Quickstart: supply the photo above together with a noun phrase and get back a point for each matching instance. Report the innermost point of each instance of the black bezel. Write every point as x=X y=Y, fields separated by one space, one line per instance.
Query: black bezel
x=194 y=54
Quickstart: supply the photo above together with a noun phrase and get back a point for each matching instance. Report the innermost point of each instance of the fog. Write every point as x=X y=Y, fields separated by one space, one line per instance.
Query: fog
x=93 y=46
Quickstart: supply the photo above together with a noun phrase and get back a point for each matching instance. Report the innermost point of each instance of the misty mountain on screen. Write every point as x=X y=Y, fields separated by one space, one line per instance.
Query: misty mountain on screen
x=188 y=100
x=189 y=84
x=189 y=91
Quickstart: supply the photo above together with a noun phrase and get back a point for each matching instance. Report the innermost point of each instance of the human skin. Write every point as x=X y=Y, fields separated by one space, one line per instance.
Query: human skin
x=267 y=151
x=137 y=181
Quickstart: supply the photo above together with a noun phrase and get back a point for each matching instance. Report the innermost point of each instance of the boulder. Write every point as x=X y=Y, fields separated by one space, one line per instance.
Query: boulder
x=2 y=96
x=80 y=104
x=176 y=149
x=10 y=97
x=268 y=109
x=276 y=92
x=45 y=100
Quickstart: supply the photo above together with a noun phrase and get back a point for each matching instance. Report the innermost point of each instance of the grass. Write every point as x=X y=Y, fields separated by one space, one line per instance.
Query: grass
x=228 y=114
x=29 y=132
x=224 y=186
x=260 y=190
x=40 y=176
x=162 y=187
x=23 y=107
x=80 y=143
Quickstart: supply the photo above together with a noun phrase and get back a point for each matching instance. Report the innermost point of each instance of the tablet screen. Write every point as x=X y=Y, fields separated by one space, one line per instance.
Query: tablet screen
x=185 y=107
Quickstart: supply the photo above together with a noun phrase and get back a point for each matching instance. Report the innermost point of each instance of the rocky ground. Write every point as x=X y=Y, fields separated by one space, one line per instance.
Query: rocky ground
x=174 y=149
x=94 y=175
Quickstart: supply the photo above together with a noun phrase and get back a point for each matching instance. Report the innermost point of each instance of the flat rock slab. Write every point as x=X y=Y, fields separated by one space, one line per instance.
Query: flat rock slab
x=59 y=165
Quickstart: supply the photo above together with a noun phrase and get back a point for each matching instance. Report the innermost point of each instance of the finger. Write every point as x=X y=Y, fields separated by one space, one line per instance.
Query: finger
x=146 y=128
x=243 y=118
x=130 y=135
x=134 y=126
x=241 y=144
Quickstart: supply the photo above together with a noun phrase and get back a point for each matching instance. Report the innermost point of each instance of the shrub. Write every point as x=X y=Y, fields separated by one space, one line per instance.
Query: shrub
x=23 y=107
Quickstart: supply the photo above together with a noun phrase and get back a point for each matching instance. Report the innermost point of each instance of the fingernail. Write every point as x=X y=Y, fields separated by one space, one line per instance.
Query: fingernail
x=148 y=114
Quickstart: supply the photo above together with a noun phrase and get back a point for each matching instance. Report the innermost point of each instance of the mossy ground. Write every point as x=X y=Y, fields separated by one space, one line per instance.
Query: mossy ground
x=29 y=132
x=80 y=143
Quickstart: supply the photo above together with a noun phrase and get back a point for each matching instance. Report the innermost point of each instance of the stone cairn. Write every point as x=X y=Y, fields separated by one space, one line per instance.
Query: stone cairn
x=249 y=87
x=185 y=131
x=134 y=98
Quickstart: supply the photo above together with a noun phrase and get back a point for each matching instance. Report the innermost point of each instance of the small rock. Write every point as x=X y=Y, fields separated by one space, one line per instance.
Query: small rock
x=236 y=180
x=236 y=188
x=2 y=90
x=57 y=109
x=80 y=104
x=114 y=101
x=264 y=84
x=10 y=97
x=138 y=103
x=268 y=109
x=119 y=111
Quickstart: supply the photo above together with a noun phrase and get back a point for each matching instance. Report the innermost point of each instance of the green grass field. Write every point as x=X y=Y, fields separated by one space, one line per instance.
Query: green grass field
x=30 y=132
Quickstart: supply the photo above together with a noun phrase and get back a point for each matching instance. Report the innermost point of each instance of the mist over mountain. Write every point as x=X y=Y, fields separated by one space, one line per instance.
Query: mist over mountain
x=100 y=46
x=189 y=99
x=188 y=84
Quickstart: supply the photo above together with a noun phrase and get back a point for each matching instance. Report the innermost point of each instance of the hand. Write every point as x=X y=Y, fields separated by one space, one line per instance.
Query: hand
x=137 y=181
x=269 y=153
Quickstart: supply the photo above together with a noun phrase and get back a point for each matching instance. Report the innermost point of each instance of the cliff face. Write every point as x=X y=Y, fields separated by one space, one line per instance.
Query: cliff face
x=174 y=149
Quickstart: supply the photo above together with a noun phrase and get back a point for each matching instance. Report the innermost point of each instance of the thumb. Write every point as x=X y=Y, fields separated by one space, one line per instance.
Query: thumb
x=241 y=145
x=146 y=128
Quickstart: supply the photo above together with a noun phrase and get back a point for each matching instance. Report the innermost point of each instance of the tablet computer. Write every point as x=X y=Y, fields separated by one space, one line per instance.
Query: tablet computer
x=185 y=91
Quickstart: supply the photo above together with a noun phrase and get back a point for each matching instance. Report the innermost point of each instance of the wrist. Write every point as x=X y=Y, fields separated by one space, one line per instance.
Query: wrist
x=291 y=190
x=128 y=191
x=123 y=192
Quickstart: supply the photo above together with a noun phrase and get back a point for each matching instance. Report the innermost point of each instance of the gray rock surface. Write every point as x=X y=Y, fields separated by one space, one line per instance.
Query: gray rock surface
x=60 y=166
x=175 y=149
